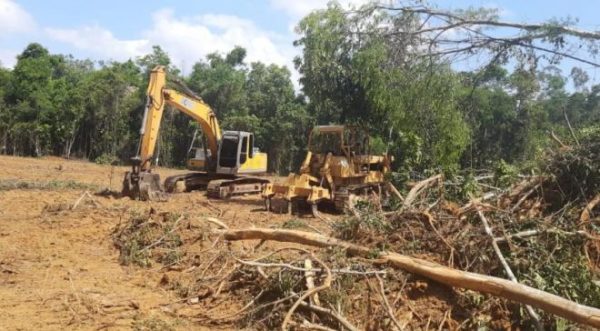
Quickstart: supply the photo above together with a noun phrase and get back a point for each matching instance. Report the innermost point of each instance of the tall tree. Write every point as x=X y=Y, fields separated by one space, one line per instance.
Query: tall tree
x=361 y=78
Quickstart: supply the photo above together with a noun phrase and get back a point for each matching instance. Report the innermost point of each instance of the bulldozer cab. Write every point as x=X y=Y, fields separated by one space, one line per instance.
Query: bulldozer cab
x=339 y=141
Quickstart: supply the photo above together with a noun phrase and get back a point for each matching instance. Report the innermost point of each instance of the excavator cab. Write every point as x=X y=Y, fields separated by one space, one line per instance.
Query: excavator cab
x=237 y=154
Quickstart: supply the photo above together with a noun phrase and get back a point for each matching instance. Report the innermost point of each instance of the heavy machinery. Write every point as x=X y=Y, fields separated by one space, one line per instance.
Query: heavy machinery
x=226 y=161
x=338 y=168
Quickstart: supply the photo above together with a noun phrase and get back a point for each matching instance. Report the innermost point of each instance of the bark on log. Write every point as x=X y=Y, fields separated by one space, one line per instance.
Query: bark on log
x=587 y=211
x=482 y=283
x=394 y=190
x=416 y=190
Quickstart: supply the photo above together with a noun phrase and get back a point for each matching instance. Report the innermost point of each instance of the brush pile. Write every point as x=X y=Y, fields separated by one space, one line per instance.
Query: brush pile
x=541 y=231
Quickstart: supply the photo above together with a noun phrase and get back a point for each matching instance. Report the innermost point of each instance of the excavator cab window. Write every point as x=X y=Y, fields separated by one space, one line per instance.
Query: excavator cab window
x=251 y=147
x=229 y=149
x=244 y=150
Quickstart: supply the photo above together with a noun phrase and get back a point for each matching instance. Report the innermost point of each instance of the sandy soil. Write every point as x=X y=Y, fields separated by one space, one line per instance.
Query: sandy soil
x=59 y=268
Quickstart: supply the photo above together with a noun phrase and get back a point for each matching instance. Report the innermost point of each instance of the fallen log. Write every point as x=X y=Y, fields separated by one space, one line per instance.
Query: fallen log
x=456 y=278
x=531 y=233
x=418 y=188
x=524 y=186
x=394 y=190
x=587 y=211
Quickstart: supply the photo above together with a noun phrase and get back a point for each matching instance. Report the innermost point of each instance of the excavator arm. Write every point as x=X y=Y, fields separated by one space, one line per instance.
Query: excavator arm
x=140 y=183
x=158 y=95
x=201 y=113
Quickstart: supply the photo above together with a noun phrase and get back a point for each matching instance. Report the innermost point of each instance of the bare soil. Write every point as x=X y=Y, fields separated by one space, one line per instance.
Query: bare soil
x=59 y=268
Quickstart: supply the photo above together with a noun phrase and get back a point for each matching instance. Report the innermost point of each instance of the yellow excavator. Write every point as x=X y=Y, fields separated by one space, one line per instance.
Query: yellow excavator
x=338 y=169
x=226 y=162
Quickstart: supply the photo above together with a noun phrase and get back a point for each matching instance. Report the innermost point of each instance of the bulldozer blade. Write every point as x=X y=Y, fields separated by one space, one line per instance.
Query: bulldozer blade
x=143 y=186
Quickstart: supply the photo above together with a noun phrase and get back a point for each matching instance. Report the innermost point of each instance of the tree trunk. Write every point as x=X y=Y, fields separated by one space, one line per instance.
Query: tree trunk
x=5 y=142
x=36 y=144
x=442 y=274
x=70 y=143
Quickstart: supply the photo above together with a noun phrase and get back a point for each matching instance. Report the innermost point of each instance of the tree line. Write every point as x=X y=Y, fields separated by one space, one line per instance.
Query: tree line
x=52 y=104
x=380 y=68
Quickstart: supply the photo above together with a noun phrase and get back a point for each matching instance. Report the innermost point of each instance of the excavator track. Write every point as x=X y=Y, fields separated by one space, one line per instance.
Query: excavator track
x=191 y=182
x=216 y=186
x=225 y=188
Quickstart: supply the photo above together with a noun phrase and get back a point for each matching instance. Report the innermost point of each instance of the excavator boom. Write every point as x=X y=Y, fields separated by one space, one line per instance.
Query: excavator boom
x=157 y=96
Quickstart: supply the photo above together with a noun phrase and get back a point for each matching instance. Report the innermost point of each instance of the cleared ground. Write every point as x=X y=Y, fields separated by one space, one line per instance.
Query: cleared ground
x=59 y=267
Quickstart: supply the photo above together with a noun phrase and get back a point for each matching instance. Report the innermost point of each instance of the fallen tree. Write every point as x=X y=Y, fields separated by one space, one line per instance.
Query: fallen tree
x=456 y=278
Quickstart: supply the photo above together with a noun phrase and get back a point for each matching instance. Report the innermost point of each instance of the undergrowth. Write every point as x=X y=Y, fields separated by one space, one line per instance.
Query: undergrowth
x=16 y=184
x=147 y=238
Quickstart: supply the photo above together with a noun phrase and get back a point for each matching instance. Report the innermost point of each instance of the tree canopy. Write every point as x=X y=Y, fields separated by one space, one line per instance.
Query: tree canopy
x=394 y=70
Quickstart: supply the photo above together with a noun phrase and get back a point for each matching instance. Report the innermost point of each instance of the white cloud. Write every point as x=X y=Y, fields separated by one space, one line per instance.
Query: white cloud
x=99 y=41
x=186 y=39
x=189 y=39
x=8 y=58
x=14 y=19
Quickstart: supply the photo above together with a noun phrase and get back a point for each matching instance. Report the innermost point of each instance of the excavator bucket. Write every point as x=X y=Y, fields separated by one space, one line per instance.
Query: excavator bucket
x=143 y=186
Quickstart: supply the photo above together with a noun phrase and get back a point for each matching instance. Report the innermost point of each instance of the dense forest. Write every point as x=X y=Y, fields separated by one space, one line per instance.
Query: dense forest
x=395 y=71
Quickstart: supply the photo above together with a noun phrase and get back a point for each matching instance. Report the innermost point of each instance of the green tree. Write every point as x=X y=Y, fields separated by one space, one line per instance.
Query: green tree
x=365 y=81
x=282 y=122
x=5 y=112
x=29 y=95
x=220 y=82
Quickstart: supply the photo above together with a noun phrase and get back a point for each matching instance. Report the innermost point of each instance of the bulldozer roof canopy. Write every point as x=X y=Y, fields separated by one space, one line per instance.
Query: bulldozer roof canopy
x=329 y=128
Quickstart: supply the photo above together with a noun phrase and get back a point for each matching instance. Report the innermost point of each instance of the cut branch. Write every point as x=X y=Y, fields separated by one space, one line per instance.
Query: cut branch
x=486 y=284
x=587 y=211
x=418 y=188
x=554 y=28
x=534 y=316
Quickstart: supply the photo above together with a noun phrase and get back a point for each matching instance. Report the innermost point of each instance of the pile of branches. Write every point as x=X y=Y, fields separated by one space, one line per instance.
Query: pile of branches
x=148 y=238
x=576 y=168
x=511 y=257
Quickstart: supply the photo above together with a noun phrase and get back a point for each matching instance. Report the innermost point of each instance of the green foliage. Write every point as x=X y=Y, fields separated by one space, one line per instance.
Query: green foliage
x=505 y=174
x=106 y=159
x=577 y=169
x=259 y=99
x=353 y=228
x=143 y=239
x=468 y=188
x=15 y=184
x=350 y=80
x=294 y=223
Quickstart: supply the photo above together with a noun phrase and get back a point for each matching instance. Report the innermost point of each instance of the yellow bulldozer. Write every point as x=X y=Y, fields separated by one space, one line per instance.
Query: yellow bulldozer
x=338 y=169
x=226 y=166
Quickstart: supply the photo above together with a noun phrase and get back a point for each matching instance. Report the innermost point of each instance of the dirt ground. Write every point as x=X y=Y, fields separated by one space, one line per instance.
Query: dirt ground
x=59 y=268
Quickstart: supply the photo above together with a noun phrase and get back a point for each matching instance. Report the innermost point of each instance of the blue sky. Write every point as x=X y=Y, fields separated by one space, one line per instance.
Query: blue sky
x=188 y=30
